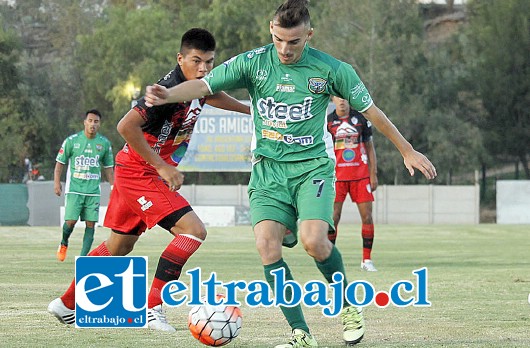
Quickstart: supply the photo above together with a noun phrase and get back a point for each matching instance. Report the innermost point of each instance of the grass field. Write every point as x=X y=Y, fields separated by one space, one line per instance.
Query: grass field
x=479 y=281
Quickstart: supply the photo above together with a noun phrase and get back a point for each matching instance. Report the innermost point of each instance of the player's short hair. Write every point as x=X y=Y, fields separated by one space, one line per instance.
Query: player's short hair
x=199 y=39
x=93 y=111
x=292 y=13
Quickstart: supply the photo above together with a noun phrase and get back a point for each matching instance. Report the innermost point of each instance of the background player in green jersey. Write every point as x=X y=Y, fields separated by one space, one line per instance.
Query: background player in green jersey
x=86 y=153
x=293 y=161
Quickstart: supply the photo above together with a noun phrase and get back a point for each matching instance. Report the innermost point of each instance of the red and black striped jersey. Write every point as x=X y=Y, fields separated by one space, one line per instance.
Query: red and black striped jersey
x=349 y=135
x=168 y=128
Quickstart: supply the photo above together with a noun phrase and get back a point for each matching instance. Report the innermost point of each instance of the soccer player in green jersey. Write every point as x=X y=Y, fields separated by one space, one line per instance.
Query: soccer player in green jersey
x=86 y=153
x=292 y=177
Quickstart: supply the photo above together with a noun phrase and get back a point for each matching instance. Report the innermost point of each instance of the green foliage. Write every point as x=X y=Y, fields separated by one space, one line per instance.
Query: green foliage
x=499 y=67
x=137 y=47
x=11 y=116
x=238 y=25
x=453 y=100
x=48 y=83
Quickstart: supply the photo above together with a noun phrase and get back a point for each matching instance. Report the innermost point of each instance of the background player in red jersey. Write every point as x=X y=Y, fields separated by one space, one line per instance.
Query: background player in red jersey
x=147 y=179
x=356 y=170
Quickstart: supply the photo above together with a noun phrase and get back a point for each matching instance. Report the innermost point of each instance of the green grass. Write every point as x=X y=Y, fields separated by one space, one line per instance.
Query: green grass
x=479 y=281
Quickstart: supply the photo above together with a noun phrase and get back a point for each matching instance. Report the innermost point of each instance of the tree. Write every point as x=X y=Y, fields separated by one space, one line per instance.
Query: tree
x=12 y=123
x=408 y=78
x=126 y=47
x=499 y=73
x=48 y=79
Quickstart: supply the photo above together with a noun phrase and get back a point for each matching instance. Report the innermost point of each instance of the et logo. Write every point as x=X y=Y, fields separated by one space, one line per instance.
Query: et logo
x=111 y=292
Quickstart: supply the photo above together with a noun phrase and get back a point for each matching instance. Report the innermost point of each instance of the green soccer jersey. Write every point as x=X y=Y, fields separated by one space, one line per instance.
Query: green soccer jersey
x=85 y=158
x=289 y=102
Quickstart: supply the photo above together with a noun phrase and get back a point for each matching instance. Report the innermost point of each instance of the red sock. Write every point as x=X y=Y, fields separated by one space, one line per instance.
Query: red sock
x=170 y=265
x=68 y=297
x=367 y=233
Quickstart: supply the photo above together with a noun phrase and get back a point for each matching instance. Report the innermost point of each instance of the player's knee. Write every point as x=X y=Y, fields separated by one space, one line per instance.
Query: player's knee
x=367 y=219
x=120 y=247
x=268 y=245
x=192 y=226
x=198 y=230
x=317 y=247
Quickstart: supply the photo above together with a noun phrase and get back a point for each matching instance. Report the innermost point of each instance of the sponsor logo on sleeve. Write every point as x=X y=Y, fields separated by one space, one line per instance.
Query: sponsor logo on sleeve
x=227 y=62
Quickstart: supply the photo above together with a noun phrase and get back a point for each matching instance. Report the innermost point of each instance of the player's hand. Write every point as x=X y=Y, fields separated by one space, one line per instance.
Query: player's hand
x=155 y=95
x=58 y=189
x=417 y=160
x=373 y=182
x=173 y=177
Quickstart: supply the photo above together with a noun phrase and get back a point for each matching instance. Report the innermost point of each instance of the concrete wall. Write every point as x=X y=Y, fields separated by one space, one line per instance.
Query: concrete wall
x=44 y=206
x=420 y=204
x=227 y=205
x=513 y=201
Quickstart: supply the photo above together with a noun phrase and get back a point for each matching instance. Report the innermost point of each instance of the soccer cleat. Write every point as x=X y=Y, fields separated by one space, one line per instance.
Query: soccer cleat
x=61 y=252
x=368 y=266
x=61 y=312
x=156 y=319
x=353 y=321
x=299 y=339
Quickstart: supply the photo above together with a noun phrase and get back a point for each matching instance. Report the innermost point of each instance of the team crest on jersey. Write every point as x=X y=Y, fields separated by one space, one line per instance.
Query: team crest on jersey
x=317 y=85
x=99 y=147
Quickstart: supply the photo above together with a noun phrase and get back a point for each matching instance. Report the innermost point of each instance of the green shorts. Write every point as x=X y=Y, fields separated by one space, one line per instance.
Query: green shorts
x=290 y=191
x=81 y=207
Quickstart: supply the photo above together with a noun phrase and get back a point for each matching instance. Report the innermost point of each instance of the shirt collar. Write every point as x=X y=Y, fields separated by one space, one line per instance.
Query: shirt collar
x=180 y=74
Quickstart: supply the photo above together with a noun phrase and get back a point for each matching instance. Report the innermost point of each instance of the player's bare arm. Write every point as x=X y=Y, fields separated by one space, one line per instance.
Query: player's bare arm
x=372 y=163
x=186 y=91
x=130 y=128
x=109 y=174
x=411 y=158
x=222 y=100
x=57 y=187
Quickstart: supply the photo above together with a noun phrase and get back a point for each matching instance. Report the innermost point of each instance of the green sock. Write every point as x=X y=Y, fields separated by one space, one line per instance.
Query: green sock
x=331 y=265
x=88 y=238
x=67 y=231
x=294 y=315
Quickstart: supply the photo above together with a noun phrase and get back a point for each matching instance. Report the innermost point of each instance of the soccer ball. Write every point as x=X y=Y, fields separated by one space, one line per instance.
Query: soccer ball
x=215 y=326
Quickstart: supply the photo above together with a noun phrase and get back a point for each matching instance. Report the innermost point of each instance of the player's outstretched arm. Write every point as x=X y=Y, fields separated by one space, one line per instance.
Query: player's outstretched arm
x=186 y=91
x=222 y=100
x=411 y=158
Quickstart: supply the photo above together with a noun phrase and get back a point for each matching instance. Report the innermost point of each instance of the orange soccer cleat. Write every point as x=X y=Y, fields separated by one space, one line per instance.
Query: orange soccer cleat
x=61 y=252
